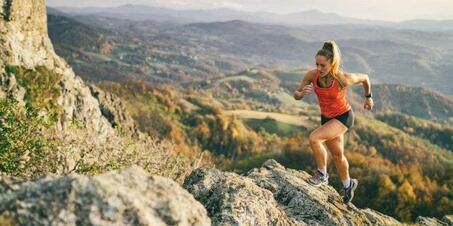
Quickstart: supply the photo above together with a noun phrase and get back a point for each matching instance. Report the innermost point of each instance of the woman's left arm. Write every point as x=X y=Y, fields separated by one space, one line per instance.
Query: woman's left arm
x=356 y=78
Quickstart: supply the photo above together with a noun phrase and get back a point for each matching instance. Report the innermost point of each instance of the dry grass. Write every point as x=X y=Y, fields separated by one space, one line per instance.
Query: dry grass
x=79 y=150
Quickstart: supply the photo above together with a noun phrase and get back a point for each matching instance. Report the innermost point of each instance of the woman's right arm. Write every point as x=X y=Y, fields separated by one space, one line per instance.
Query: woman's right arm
x=305 y=87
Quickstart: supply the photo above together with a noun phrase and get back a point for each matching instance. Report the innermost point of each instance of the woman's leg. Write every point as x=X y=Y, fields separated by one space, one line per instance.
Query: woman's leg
x=332 y=133
x=331 y=129
x=336 y=148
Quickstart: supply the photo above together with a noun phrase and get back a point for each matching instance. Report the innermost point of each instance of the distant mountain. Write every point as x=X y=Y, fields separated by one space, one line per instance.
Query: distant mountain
x=81 y=44
x=405 y=58
x=63 y=29
x=142 y=12
x=97 y=53
x=308 y=17
x=428 y=25
x=179 y=52
x=56 y=12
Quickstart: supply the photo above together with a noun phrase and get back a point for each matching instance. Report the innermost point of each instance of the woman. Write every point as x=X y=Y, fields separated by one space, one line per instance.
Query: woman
x=337 y=116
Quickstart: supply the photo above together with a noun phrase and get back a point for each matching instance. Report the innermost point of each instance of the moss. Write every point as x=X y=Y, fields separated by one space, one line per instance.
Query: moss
x=11 y=69
x=42 y=91
x=7 y=9
x=98 y=168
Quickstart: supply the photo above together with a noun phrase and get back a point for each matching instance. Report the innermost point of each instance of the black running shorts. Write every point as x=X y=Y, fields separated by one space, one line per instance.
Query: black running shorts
x=346 y=118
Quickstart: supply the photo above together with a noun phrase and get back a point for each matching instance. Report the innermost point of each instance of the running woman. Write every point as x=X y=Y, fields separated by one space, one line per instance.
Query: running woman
x=337 y=116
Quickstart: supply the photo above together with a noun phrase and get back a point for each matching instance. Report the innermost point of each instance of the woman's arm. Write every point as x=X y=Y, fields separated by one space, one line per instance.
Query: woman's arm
x=356 y=78
x=304 y=87
x=349 y=79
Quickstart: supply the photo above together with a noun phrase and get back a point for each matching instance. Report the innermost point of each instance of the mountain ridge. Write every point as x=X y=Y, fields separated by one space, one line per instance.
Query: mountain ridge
x=305 y=17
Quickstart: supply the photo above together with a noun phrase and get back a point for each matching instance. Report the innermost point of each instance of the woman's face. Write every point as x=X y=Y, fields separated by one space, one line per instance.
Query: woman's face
x=323 y=65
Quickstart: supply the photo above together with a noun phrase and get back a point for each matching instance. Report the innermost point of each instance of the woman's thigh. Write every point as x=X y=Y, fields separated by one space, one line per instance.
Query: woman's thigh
x=336 y=146
x=330 y=130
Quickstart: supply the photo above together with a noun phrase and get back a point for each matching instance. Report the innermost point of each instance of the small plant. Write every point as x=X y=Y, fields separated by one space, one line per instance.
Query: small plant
x=7 y=10
x=23 y=147
x=41 y=87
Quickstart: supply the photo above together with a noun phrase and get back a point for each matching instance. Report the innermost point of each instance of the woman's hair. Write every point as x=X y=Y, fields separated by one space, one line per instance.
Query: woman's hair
x=331 y=51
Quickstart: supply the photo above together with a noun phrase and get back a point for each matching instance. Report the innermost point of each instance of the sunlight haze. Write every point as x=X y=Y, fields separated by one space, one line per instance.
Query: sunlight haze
x=372 y=9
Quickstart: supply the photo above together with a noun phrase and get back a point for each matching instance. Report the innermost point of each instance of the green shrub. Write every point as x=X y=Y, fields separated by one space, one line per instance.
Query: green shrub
x=23 y=147
x=42 y=91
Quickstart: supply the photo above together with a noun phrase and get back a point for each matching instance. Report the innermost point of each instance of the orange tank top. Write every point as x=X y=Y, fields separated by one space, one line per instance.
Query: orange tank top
x=332 y=100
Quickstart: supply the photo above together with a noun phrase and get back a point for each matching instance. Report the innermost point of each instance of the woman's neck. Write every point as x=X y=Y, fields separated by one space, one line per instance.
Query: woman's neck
x=325 y=76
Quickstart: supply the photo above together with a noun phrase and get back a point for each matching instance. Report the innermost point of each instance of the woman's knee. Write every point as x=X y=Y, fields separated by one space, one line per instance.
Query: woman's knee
x=337 y=156
x=314 y=137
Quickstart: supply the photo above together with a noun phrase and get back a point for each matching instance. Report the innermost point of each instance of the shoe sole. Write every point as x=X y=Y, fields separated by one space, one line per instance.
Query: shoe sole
x=353 y=189
x=317 y=185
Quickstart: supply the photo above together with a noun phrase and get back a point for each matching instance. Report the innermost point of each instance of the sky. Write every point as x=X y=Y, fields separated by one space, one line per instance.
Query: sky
x=390 y=10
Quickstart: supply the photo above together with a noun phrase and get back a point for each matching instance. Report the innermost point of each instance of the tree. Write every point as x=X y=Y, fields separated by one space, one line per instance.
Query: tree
x=406 y=201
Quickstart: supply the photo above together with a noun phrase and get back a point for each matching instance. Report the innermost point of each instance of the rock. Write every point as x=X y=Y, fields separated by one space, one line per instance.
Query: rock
x=448 y=219
x=24 y=41
x=125 y=197
x=234 y=200
x=114 y=110
x=431 y=221
x=273 y=195
x=377 y=218
x=269 y=195
x=10 y=89
x=304 y=202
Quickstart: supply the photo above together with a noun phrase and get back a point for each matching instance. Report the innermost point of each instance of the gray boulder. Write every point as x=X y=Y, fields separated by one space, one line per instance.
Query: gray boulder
x=125 y=197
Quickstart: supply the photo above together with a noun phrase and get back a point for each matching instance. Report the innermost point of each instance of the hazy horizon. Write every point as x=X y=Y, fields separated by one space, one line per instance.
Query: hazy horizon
x=388 y=10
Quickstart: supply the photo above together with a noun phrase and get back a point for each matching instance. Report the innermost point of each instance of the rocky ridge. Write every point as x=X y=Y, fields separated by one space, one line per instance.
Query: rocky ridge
x=269 y=195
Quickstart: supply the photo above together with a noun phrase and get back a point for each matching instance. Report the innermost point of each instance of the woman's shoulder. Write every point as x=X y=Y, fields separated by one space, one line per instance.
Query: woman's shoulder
x=342 y=77
x=310 y=74
x=342 y=74
x=312 y=71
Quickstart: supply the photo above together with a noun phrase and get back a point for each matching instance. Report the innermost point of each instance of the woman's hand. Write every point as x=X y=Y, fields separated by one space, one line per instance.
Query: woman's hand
x=368 y=105
x=306 y=91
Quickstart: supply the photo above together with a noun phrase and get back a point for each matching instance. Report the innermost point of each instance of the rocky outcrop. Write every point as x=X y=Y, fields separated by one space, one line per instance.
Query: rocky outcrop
x=114 y=111
x=126 y=197
x=24 y=41
x=231 y=199
x=269 y=195
x=448 y=219
x=429 y=221
x=274 y=195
